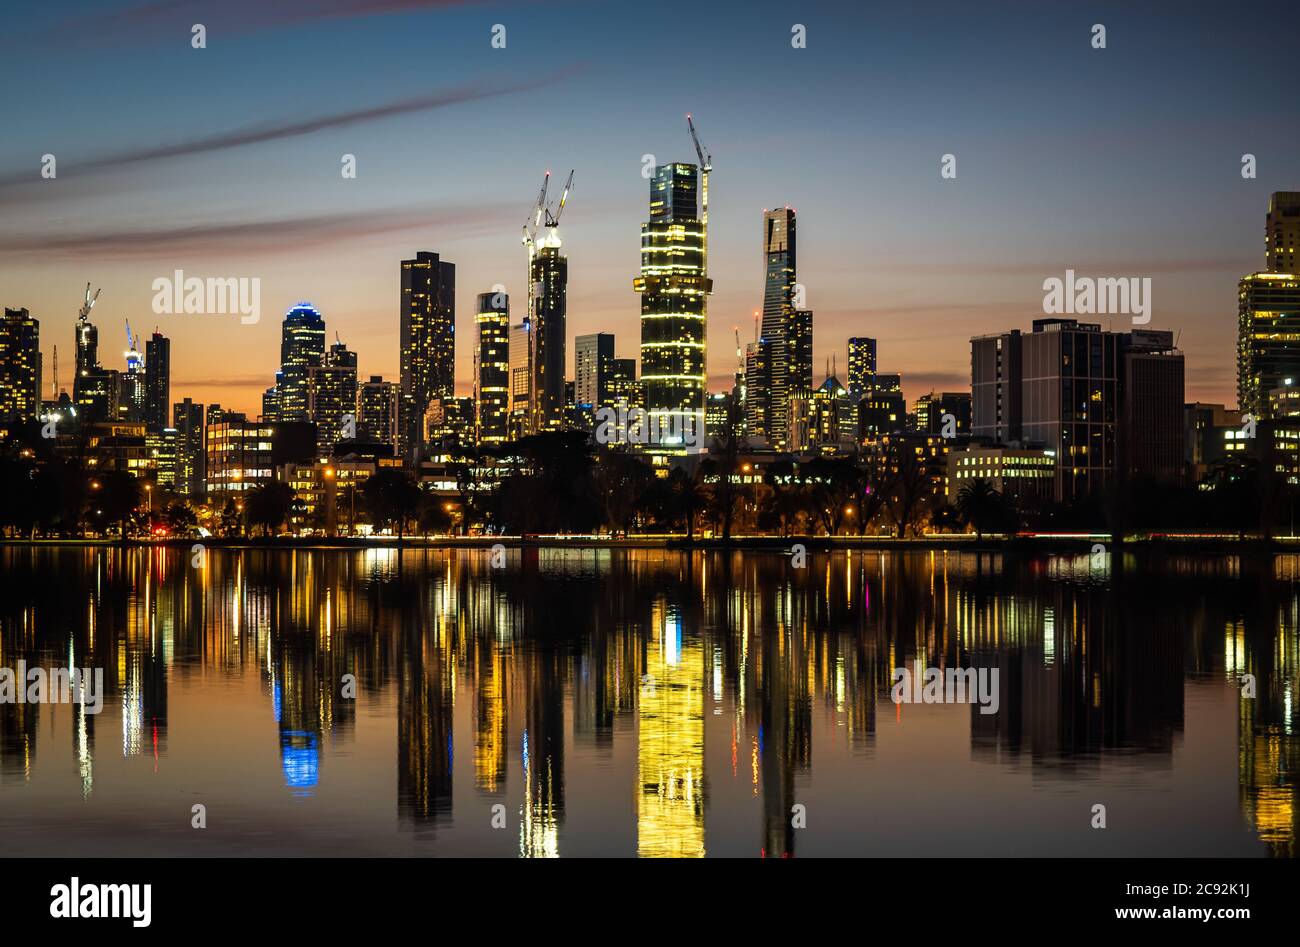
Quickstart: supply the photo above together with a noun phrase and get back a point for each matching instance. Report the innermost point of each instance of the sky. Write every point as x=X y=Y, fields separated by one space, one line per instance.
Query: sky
x=226 y=162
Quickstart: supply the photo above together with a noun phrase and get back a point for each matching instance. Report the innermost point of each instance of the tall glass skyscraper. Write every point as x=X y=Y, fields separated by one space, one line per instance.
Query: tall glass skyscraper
x=778 y=315
x=20 y=365
x=550 y=277
x=428 y=341
x=302 y=348
x=492 y=368
x=674 y=287
x=157 y=381
x=862 y=367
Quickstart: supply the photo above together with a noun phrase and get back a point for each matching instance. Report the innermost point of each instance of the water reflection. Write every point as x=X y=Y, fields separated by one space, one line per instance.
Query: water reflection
x=654 y=703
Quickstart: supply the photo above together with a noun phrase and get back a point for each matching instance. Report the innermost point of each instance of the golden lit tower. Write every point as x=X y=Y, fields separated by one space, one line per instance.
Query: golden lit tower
x=674 y=285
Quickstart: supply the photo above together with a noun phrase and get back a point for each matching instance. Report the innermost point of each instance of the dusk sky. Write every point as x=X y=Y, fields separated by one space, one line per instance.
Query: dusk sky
x=225 y=161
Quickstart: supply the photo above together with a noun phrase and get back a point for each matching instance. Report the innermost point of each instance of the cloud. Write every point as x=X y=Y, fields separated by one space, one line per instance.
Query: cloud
x=288 y=235
x=276 y=131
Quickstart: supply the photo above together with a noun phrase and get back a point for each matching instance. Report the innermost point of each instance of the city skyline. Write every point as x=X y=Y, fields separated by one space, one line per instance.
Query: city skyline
x=890 y=249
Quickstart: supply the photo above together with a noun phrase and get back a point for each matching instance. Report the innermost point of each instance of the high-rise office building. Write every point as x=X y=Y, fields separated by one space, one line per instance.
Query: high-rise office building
x=332 y=398
x=1282 y=233
x=862 y=367
x=674 y=287
x=20 y=365
x=1268 y=325
x=1103 y=403
x=378 y=404
x=996 y=377
x=758 y=362
x=428 y=339
x=550 y=278
x=157 y=381
x=492 y=368
x=1152 y=433
x=521 y=378
x=95 y=389
x=593 y=356
x=302 y=348
x=187 y=419
x=779 y=252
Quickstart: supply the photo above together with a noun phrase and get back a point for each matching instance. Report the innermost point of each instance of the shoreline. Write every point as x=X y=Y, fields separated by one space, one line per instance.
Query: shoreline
x=1075 y=543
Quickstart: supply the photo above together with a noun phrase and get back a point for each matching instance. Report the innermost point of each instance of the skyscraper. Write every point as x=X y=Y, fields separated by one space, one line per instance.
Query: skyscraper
x=550 y=278
x=378 y=405
x=521 y=377
x=862 y=367
x=20 y=365
x=428 y=341
x=157 y=381
x=332 y=398
x=302 y=347
x=674 y=287
x=1268 y=323
x=1058 y=387
x=187 y=419
x=492 y=368
x=1282 y=233
x=593 y=356
x=779 y=252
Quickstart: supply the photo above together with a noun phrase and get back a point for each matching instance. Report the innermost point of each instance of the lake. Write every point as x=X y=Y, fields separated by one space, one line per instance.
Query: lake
x=633 y=702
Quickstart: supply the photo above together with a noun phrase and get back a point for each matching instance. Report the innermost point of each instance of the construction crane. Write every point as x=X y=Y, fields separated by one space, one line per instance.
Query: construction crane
x=132 y=353
x=535 y=217
x=84 y=313
x=706 y=165
x=553 y=220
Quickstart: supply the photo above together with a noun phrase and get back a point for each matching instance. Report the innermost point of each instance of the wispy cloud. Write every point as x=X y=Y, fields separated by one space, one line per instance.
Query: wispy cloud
x=261 y=237
x=275 y=131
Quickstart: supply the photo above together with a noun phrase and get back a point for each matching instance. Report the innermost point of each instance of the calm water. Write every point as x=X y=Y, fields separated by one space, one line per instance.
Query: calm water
x=649 y=703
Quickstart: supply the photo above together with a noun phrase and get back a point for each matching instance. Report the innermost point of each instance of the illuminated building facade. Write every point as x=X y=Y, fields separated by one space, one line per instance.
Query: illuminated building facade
x=1282 y=233
x=1268 y=337
x=428 y=338
x=862 y=367
x=550 y=278
x=593 y=356
x=239 y=453
x=187 y=419
x=674 y=287
x=302 y=347
x=1023 y=473
x=332 y=398
x=492 y=368
x=378 y=411
x=20 y=365
x=521 y=378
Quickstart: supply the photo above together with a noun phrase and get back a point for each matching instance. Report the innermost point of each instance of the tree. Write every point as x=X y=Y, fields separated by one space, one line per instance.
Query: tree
x=686 y=497
x=623 y=481
x=834 y=484
x=268 y=506
x=907 y=490
x=722 y=466
x=392 y=497
x=982 y=508
x=181 y=520
x=434 y=515
x=116 y=497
